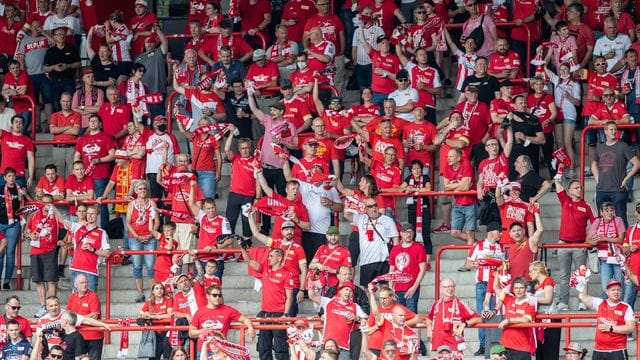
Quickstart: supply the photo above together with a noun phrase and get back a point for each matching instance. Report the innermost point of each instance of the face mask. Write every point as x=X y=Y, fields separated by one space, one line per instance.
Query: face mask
x=162 y=127
x=302 y=65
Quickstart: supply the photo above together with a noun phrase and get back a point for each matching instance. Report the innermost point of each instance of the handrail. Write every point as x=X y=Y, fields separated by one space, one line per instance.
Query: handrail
x=583 y=135
x=206 y=35
x=467 y=247
x=428 y=193
x=32 y=104
x=508 y=25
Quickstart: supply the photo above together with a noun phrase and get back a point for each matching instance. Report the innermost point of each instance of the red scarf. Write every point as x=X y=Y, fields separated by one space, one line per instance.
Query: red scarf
x=123 y=350
x=8 y=203
x=220 y=44
x=419 y=201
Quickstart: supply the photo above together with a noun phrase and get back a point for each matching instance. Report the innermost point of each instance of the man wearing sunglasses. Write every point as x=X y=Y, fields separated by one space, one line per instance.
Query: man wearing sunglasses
x=12 y=308
x=406 y=97
x=216 y=317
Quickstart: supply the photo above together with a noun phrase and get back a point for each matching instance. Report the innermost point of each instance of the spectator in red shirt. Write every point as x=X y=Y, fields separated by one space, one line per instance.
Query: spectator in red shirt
x=64 y=125
x=16 y=148
x=388 y=176
x=504 y=63
x=79 y=187
x=9 y=27
x=385 y=67
x=17 y=83
x=512 y=209
x=239 y=48
x=408 y=257
x=159 y=307
x=491 y=172
x=115 y=115
x=141 y=25
x=543 y=106
x=585 y=39
x=256 y=17
x=295 y=15
x=378 y=143
x=262 y=73
x=88 y=98
x=12 y=308
x=96 y=150
x=328 y=259
x=519 y=309
x=459 y=176
x=51 y=184
x=85 y=302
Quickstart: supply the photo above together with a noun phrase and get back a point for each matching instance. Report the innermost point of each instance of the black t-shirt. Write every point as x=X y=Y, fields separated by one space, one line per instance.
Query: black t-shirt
x=67 y=55
x=74 y=345
x=103 y=72
x=488 y=85
x=15 y=204
x=232 y=104
x=531 y=184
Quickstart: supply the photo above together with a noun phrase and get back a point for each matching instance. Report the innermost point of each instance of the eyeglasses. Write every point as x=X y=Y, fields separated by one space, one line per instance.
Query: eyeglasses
x=372 y=206
x=470 y=4
x=55 y=356
x=15 y=307
x=402 y=80
x=420 y=12
x=216 y=295
x=323 y=4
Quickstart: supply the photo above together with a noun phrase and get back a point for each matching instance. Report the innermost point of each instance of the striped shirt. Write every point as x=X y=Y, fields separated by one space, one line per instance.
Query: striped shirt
x=466 y=63
x=370 y=35
x=482 y=250
x=121 y=47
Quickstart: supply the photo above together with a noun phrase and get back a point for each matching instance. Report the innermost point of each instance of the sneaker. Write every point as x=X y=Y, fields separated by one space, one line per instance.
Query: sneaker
x=562 y=307
x=464 y=268
x=60 y=271
x=582 y=307
x=630 y=337
x=480 y=352
x=588 y=173
x=443 y=228
x=140 y=298
x=6 y=286
x=40 y=313
x=126 y=260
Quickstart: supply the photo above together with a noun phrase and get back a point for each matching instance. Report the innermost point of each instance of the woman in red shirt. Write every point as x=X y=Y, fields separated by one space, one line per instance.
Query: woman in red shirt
x=158 y=307
x=212 y=10
x=543 y=292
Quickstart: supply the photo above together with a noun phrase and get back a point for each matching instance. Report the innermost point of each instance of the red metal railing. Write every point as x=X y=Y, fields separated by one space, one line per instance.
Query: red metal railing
x=583 y=145
x=32 y=109
x=509 y=25
x=240 y=34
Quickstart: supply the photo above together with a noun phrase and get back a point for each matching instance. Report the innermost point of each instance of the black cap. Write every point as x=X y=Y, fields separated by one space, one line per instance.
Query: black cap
x=336 y=99
x=506 y=83
x=494 y=225
x=402 y=74
x=285 y=84
x=381 y=38
x=472 y=88
x=277 y=105
x=225 y=24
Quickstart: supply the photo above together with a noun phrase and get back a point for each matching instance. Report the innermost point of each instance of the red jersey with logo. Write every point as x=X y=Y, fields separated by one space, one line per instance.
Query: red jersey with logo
x=204 y=150
x=598 y=11
x=263 y=75
x=406 y=339
x=253 y=15
x=296 y=111
x=93 y=146
x=196 y=45
x=422 y=134
x=492 y=170
x=383 y=15
x=331 y=27
x=114 y=118
x=310 y=167
x=397 y=124
x=140 y=24
x=389 y=63
x=513 y=210
x=47 y=229
x=238 y=46
x=210 y=229
x=518 y=338
x=8 y=42
x=522 y=9
x=336 y=121
x=464 y=170
x=407 y=260
x=338 y=327
x=428 y=77
x=298 y=208
x=483 y=250
x=379 y=144
x=242 y=168
x=162 y=266
x=499 y=63
x=500 y=107
x=196 y=12
x=14 y=150
x=217 y=320
x=159 y=307
x=201 y=99
x=327 y=48
x=14 y=82
x=180 y=196
x=596 y=84
x=85 y=305
x=190 y=302
x=78 y=187
x=332 y=258
x=327 y=151
x=386 y=177
x=140 y=217
x=477 y=117
x=275 y=283
x=463 y=134
x=358 y=110
x=84 y=260
x=616 y=112
x=46 y=323
x=293 y=257
x=376 y=339
x=520 y=256
x=134 y=142
x=298 y=10
x=574 y=216
x=541 y=107
x=57 y=188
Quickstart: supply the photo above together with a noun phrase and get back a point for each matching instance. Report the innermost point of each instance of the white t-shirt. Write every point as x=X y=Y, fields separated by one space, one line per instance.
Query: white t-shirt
x=53 y=22
x=402 y=97
x=154 y=158
x=376 y=250
x=573 y=89
x=319 y=216
x=619 y=45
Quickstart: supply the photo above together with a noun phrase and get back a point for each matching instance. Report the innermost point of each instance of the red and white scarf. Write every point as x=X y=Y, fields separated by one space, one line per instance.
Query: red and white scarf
x=133 y=91
x=419 y=201
x=8 y=203
x=123 y=350
x=455 y=316
x=220 y=44
x=635 y=82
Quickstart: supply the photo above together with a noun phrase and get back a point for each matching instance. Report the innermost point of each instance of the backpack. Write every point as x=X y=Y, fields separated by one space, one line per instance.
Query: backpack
x=478 y=34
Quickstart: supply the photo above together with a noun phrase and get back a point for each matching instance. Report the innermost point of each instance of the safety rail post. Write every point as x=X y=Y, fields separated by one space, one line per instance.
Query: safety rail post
x=19 y=264
x=242 y=339
x=583 y=135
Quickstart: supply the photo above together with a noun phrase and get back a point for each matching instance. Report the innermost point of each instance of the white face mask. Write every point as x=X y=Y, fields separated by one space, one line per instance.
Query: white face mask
x=302 y=65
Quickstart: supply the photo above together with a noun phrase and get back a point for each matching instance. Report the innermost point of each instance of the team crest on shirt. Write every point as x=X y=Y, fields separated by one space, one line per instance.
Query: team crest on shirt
x=212 y=325
x=617 y=312
x=91 y=148
x=402 y=260
x=15 y=145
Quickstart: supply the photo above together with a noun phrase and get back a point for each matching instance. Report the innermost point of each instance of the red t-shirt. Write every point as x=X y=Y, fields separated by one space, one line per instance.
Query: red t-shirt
x=84 y=260
x=14 y=150
x=141 y=24
x=210 y=229
x=204 y=150
x=46 y=322
x=596 y=86
x=463 y=134
x=520 y=256
x=335 y=325
x=518 y=338
x=294 y=257
x=464 y=170
x=500 y=107
x=584 y=37
x=492 y=170
x=423 y=134
x=540 y=107
x=135 y=142
x=299 y=11
x=301 y=213
x=499 y=63
x=376 y=339
x=335 y=122
x=8 y=41
x=19 y=105
x=92 y=146
x=190 y=302
x=253 y=14
x=57 y=188
x=274 y=286
x=140 y=218
x=331 y=27
x=162 y=266
x=574 y=217
x=218 y=320
x=114 y=118
x=239 y=47
x=477 y=117
x=332 y=258
x=389 y=63
x=521 y=10
x=159 y=307
x=201 y=99
x=58 y=119
x=513 y=210
x=384 y=15
x=327 y=151
x=407 y=340
x=616 y=112
x=85 y=305
x=379 y=144
x=243 y=169
x=612 y=315
x=296 y=111
x=180 y=196
x=310 y=167
x=407 y=260
x=386 y=177
x=598 y=11
x=263 y=75
x=429 y=77
x=78 y=187
x=47 y=227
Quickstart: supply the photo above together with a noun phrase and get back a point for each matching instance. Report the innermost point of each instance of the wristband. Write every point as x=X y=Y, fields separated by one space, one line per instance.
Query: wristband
x=465 y=323
x=611 y=329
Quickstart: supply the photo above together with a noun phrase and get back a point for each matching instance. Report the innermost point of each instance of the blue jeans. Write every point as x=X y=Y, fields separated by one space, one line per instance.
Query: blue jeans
x=609 y=272
x=125 y=233
x=92 y=280
x=379 y=98
x=293 y=311
x=41 y=86
x=149 y=260
x=363 y=75
x=411 y=303
x=98 y=186
x=207 y=183
x=481 y=292
x=12 y=233
x=619 y=200
x=630 y=293
x=26 y=123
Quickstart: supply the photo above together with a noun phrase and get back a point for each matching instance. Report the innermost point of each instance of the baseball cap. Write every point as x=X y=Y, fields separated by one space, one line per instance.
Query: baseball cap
x=318 y=176
x=506 y=83
x=514 y=185
x=287 y=224
x=301 y=323
x=180 y=277
x=406 y=227
x=122 y=154
x=141 y=2
x=348 y=284
x=402 y=74
x=613 y=282
x=333 y=230
x=574 y=346
x=472 y=88
x=259 y=54
x=159 y=118
x=497 y=349
x=381 y=38
x=310 y=141
x=225 y=24
x=493 y=226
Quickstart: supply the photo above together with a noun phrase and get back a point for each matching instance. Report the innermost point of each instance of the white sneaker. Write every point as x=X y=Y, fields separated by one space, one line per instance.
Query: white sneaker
x=562 y=307
x=40 y=313
x=582 y=307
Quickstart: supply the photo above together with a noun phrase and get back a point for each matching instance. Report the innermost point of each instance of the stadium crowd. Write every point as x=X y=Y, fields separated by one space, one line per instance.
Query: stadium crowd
x=301 y=158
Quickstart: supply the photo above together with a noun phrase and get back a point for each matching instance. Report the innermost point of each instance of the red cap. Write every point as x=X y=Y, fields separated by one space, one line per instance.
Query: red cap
x=87 y=71
x=301 y=323
x=613 y=282
x=455 y=111
x=310 y=141
x=348 y=284
x=159 y=118
x=318 y=176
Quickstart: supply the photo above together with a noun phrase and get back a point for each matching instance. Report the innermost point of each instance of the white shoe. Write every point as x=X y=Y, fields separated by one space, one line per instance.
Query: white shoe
x=562 y=307
x=582 y=307
x=40 y=313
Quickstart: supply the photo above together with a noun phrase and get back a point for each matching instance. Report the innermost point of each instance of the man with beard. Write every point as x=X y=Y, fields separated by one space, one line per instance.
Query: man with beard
x=296 y=109
x=240 y=50
x=156 y=144
x=525 y=250
x=233 y=68
x=424 y=78
x=504 y=63
x=329 y=258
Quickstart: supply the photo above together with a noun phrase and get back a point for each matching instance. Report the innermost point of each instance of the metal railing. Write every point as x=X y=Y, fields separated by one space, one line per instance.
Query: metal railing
x=207 y=35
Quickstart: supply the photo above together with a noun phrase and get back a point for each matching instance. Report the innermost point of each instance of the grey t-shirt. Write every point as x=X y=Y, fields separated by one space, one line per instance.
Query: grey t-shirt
x=156 y=76
x=612 y=165
x=34 y=50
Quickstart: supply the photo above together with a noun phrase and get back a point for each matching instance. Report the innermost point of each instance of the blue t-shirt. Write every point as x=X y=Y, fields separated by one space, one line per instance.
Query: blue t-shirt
x=11 y=351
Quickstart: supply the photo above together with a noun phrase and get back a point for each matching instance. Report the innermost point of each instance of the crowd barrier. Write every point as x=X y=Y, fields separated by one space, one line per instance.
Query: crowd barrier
x=583 y=145
x=240 y=34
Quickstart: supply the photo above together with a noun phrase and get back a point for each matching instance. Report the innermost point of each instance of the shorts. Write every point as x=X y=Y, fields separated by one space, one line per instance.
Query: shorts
x=371 y=271
x=463 y=217
x=41 y=266
x=569 y=121
x=186 y=240
x=124 y=68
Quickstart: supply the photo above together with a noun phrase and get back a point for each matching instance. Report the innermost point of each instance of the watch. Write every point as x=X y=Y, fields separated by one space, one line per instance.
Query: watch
x=611 y=328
